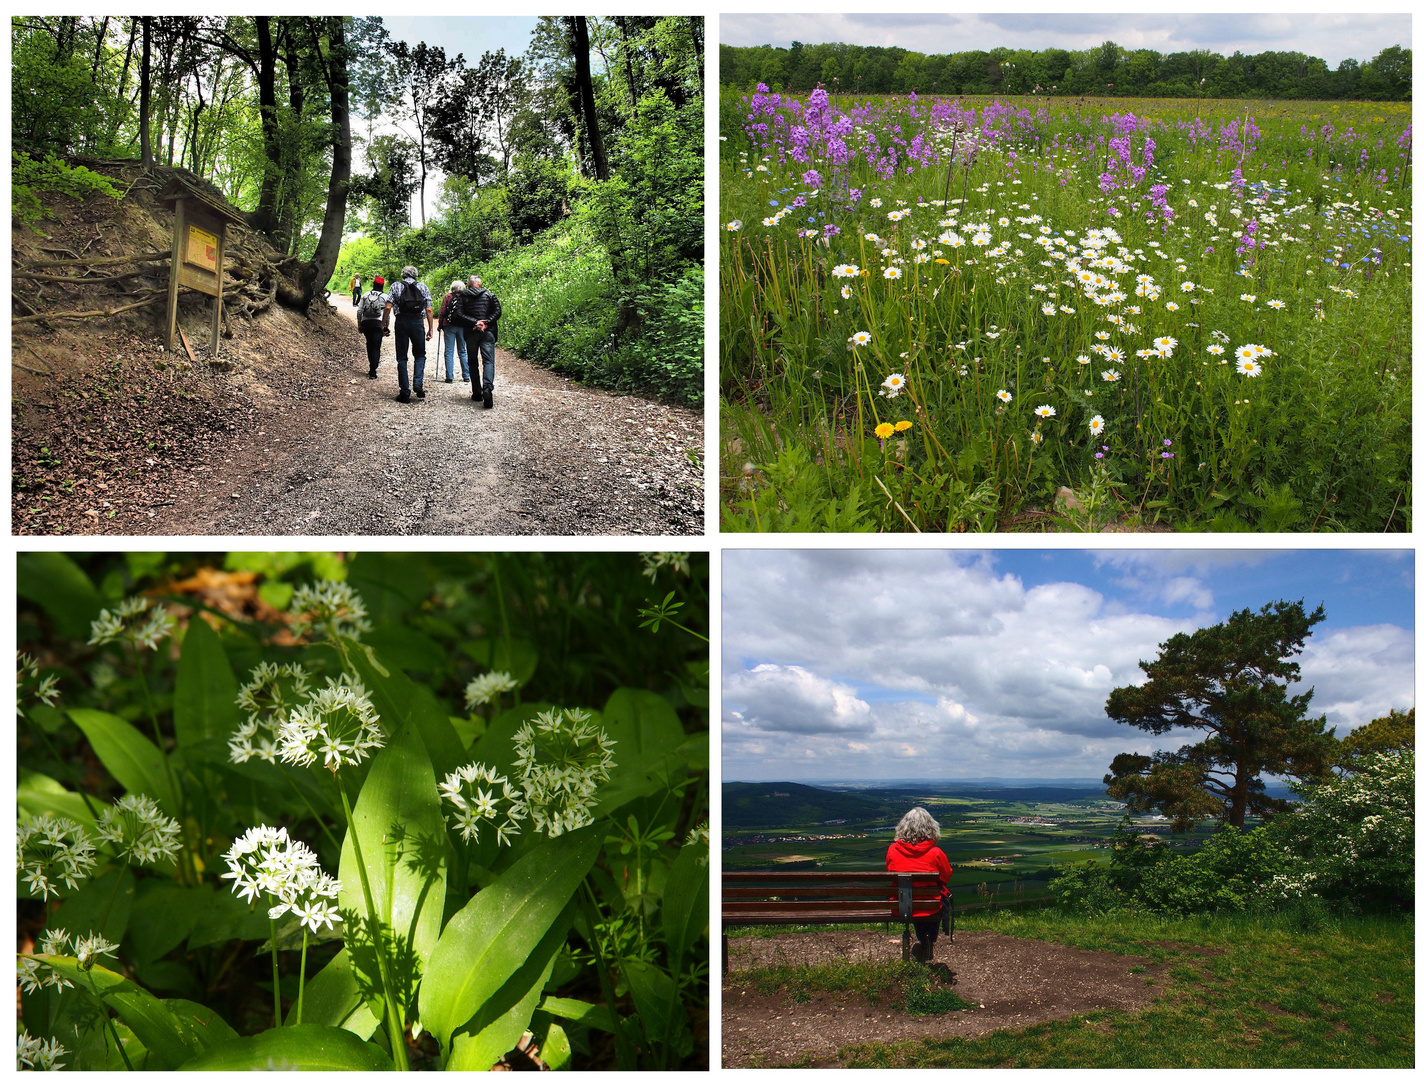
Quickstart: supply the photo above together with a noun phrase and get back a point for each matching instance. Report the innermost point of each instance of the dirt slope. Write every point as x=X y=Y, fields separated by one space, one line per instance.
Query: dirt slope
x=284 y=435
x=1017 y=982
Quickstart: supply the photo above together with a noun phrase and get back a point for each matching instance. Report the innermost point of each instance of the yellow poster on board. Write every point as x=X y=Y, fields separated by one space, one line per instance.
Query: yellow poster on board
x=202 y=249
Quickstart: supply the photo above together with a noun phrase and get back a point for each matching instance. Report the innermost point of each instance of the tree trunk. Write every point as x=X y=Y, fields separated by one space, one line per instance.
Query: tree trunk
x=145 y=94
x=99 y=50
x=584 y=76
x=121 y=98
x=288 y=210
x=318 y=272
x=264 y=218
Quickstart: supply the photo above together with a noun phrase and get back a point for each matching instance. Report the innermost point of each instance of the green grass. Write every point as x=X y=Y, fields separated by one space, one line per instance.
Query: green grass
x=907 y=985
x=1241 y=993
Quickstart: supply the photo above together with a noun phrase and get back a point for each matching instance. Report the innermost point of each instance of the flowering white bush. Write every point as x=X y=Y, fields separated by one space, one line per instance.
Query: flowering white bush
x=1354 y=836
x=267 y=698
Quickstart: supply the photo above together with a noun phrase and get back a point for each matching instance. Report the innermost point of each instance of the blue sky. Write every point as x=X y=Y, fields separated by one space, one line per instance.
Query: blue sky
x=1333 y=37
x=927 y=664
x=472 y=35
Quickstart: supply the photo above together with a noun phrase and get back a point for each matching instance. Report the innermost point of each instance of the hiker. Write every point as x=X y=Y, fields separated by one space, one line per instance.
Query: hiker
x=410 y=301
x=454 y=335
x=916 y=850
x=479 y=312
x=373 y=322
x=356 y=291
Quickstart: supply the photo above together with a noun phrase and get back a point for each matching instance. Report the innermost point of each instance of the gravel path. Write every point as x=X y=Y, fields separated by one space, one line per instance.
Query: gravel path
x=552 y=457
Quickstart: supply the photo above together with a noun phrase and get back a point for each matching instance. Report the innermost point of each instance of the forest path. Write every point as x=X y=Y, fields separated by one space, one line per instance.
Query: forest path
x=552 y=457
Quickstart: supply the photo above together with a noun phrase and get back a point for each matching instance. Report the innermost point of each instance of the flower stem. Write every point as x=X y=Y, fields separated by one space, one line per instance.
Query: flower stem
x=302 y=982
x=276 y=987
x=109 y=1021
x=394 y=1021
x=118 y=879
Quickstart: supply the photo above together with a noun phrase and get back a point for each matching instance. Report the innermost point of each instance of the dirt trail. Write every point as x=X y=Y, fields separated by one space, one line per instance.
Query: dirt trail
x=1017 y=983
x=551 y=457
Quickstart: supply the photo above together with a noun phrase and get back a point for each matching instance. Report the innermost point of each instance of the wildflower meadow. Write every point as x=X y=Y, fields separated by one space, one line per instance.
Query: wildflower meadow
x=1087 y=313
x=282 y=811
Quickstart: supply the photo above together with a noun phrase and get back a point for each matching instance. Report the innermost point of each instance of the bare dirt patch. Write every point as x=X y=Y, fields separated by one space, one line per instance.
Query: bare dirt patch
x=1011 y=982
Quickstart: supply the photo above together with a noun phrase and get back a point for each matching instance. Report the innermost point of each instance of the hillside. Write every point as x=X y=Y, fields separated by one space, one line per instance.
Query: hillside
x=779 y=806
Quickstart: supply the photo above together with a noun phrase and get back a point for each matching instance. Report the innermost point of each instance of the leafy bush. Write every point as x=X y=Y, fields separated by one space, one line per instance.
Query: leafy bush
x=296 y=727
x=667 y=353
x=1232 y=872
x=29 y=176
x=1352 y=838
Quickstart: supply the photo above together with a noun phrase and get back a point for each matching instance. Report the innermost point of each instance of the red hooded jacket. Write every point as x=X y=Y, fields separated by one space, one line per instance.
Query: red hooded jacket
x=924 y=857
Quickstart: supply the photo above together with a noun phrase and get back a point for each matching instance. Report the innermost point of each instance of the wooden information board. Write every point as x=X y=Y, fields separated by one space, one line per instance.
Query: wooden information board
x=199 y=233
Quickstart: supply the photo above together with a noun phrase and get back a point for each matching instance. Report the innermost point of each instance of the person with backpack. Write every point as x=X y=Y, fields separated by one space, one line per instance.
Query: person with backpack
x=454 y=334
x=356 y=291
x=479 y=312
x=410 y=300
x=372 y=322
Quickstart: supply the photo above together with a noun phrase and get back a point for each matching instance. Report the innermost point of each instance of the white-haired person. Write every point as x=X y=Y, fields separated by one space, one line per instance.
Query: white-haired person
x=916 y=850
x=454 y=335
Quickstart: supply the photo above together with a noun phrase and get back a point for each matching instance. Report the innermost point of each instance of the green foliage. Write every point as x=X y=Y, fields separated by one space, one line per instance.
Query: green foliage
x=30 y=177
x=1383 y=734
x=603 y=928
x=668 y=352
x=1234 y=871
x=1352 y=837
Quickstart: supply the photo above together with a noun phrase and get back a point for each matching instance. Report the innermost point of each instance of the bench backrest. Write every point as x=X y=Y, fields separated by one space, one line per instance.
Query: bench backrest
x=756 y=898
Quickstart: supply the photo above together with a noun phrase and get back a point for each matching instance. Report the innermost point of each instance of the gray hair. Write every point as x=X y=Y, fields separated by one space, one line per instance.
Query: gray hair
x=474 y=281
x=917 y=826
x=457 y=286
x=410 y=272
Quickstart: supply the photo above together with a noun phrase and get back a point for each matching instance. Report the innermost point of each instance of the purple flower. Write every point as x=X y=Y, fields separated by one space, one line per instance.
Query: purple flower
x=1166 y=442
x=811 y=178
x=1099 y=456
x=1165 y=454
x=831 y=230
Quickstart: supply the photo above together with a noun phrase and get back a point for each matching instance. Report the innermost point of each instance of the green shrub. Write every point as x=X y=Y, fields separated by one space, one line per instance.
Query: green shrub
x=668 y=352
x=1234 y=871
x=29 y=176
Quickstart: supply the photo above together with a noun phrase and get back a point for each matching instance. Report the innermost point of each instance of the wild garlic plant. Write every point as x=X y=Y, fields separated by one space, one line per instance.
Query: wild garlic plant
x=420 y=814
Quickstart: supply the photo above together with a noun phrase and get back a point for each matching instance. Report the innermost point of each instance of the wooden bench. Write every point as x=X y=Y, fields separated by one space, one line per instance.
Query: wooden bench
x=791 y=898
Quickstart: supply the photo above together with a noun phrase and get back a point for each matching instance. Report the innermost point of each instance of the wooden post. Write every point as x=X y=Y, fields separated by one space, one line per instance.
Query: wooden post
x=179 y=233
x=218 y=299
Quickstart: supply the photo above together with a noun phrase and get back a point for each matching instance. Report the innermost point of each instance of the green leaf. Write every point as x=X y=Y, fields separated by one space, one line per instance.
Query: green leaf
x=134 y=761
x=205 y=693
x=494 y=934
x=171 y=1036
x=495 y=1029
x=37 y=793
x=397 y=700
x=80 y=914
x=225 y=917
x=656 y=1003
x=303 y=1046
x=686 y=903
x=642 y=723
x=163 y=915
x=581 y=1012
x=333 y=998
x=402 y=835
x=408 y=649
x=56 y=584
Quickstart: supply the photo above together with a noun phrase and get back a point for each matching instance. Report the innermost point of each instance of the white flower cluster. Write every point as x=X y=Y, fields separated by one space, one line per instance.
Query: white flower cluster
x=479 y=793
x=53 y=847
x=338 y=722
x=653 y=561
x=561 y=758
x=266 y=862
x=30 y=685
x=482 y=689
x=139 y=831
x=122 y=623
x=267 y=698
x=333 y=607
x=85 y=949
x=38 y=1053
x=33 y=975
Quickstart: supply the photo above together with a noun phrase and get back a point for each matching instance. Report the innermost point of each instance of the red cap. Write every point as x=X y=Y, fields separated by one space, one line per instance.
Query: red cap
x=380 y=280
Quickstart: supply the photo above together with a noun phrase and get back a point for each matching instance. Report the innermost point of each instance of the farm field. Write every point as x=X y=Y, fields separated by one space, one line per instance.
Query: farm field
x=1081 y=314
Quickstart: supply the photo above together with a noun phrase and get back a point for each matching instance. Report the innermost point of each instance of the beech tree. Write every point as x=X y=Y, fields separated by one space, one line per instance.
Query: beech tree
x=1229 y=681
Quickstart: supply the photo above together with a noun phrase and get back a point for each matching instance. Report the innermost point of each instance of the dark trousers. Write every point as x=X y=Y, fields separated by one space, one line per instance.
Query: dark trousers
x=373 y=344
x=410 y=332
x=927 y=929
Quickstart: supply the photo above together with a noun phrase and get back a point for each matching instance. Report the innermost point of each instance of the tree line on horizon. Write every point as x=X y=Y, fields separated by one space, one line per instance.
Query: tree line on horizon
x=1107 y=69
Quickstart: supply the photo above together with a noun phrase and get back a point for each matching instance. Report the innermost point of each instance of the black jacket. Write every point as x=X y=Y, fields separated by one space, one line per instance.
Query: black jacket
x=481 y=304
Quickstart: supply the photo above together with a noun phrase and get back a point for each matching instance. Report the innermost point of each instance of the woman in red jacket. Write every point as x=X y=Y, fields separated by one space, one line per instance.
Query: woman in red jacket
x=916 y=849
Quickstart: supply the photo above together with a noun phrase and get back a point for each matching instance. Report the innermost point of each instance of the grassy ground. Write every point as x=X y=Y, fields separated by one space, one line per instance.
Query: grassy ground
x=907 y=985
x=1274 y=996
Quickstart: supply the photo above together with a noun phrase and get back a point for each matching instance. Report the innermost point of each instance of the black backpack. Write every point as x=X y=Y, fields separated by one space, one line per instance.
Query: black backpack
x=411 y=300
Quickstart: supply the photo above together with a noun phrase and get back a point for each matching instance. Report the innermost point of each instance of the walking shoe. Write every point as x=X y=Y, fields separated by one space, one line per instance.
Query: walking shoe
x=450 y=380
x=370 y=374
x=489 y=399
x=420 y=391
x=403 y=398
x=464 y=378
